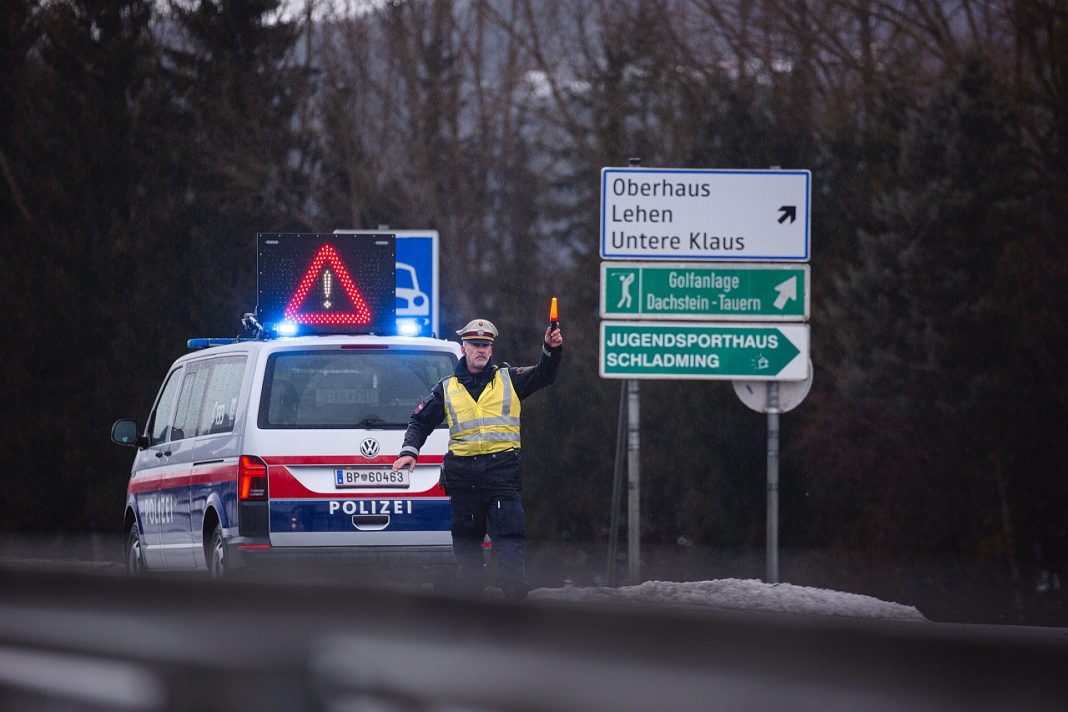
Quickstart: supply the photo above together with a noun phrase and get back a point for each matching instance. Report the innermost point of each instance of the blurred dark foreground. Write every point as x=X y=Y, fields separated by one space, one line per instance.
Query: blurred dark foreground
x=942 y=588
x=87 y=637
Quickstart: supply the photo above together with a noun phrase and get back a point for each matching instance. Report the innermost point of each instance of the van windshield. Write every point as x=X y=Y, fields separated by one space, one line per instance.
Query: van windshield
x=348 y=388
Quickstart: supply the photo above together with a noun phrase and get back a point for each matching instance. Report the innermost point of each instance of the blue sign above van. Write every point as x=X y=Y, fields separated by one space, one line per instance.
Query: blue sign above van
x=417 y=280
x=417 y=283
x=335 y=283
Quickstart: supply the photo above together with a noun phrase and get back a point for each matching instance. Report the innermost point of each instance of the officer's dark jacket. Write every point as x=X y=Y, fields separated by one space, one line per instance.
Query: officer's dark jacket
x=497 y=471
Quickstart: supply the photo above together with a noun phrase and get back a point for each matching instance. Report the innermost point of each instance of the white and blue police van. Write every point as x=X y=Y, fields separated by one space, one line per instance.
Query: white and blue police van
x=271 y=449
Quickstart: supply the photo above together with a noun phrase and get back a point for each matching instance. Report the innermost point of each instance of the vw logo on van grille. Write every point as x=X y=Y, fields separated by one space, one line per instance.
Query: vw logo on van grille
x=369 y=448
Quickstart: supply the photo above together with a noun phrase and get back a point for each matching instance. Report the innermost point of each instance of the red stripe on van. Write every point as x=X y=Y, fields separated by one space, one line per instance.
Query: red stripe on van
x=347 y=460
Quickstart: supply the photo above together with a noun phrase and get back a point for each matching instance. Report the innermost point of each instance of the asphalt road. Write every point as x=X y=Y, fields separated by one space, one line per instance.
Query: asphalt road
x=94 y=639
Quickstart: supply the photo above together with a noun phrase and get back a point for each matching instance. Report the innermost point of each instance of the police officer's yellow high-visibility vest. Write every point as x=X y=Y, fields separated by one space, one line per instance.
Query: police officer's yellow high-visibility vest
x=488 y=425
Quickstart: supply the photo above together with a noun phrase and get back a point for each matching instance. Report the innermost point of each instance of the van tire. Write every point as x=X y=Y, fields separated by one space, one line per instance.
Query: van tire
x=135 y=555
x=217 y=554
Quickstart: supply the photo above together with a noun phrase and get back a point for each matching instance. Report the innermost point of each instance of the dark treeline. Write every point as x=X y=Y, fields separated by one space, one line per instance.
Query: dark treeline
x=143 y=144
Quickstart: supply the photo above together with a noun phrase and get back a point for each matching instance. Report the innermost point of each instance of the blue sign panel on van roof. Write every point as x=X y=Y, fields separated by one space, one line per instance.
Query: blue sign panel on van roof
x=316 y=283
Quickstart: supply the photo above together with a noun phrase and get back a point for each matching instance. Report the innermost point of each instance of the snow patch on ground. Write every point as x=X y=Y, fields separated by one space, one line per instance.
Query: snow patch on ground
x=738 y=594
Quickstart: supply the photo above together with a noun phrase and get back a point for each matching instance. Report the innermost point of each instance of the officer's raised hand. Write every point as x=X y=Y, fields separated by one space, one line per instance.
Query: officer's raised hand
x=553 y=338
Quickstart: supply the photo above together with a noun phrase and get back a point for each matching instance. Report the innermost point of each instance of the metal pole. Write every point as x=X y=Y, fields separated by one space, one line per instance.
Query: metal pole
x=634 y=556
x=617 y=486
x=773 y=484
x=633 y=489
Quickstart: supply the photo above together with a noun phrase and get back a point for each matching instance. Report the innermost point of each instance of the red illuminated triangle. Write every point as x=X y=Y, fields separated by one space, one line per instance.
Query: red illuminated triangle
x=361 y=314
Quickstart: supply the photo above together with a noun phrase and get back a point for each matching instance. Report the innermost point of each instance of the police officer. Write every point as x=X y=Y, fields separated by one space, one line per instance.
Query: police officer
x=481 y=403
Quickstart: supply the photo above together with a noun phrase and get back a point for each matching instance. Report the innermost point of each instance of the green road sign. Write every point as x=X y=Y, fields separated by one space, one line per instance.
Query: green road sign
x=758 y=352
x=721 y=292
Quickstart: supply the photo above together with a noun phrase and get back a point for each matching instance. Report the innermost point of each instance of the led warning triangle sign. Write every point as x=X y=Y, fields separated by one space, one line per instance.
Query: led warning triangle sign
x=317 y=298
x=325 y=283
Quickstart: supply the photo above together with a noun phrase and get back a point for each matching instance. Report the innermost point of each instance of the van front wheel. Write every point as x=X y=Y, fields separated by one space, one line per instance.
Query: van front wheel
x=135 y=556
x=217 y=554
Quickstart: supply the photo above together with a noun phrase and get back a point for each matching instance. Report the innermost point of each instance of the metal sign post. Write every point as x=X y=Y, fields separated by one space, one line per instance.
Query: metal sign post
x=617 y=487
x=773 y=484
x=633 y=486
x=773 y=398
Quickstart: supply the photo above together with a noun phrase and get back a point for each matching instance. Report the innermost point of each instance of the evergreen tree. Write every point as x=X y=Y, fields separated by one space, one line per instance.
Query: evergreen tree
x=79 y=73
x=241 y=155
x=915 y=316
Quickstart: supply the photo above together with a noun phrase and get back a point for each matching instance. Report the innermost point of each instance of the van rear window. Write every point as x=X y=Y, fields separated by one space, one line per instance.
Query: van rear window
x=348 y=389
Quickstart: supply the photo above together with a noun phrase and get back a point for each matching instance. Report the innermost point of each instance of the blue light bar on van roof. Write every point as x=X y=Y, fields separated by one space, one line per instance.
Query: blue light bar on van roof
x=208 y=343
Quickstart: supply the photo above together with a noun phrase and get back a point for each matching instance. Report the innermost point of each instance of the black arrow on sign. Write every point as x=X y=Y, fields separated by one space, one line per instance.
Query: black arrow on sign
x=788 y=211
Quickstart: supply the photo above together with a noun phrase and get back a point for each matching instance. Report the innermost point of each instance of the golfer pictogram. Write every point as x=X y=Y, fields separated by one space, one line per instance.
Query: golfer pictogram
x=626 y=280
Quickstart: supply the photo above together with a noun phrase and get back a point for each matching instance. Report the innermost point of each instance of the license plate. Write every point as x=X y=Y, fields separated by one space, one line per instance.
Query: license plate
x=345 y=479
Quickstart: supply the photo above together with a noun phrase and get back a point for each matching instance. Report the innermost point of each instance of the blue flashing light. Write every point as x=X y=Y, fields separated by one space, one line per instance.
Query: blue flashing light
x=285 y=328
x=408 y=327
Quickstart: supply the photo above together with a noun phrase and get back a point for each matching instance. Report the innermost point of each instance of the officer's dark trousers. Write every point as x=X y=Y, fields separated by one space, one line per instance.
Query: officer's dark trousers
x=502 y=510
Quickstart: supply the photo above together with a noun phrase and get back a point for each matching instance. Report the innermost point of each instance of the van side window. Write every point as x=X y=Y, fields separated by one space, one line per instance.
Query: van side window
x=190 y=401
x=159 y=422
x=207 y=403
x=220 y=397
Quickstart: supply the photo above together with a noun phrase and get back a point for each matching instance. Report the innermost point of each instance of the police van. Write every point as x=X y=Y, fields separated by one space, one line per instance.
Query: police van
x=265 y=448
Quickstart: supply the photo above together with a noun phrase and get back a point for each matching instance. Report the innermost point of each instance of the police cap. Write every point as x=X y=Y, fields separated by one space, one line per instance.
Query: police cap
x=478 y=331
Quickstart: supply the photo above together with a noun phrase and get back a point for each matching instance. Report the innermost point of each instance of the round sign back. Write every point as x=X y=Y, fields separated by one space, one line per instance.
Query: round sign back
x=754 y=394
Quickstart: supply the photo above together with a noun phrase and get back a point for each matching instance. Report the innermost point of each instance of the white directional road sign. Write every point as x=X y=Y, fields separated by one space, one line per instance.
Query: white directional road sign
x=705 y=214
x=705 y=291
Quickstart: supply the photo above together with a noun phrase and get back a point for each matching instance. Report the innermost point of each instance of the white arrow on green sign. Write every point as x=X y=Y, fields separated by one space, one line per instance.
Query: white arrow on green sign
x=770 y=352
x=724 y=292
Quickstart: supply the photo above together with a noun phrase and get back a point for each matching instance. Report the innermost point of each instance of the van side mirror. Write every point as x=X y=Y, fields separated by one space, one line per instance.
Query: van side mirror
x=125 y=432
